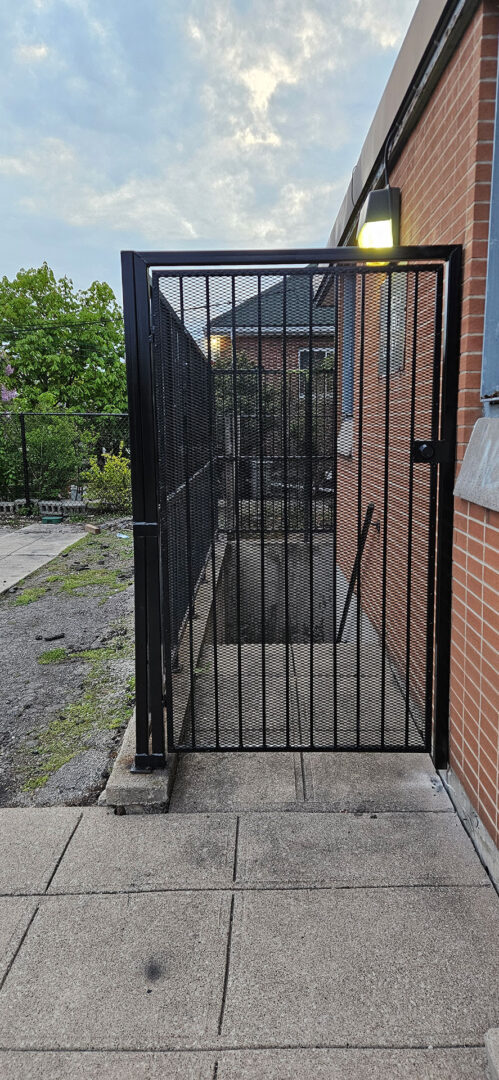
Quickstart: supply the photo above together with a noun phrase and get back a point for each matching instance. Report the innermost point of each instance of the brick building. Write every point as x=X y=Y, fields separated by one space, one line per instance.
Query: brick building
x=440 y=118
x=258 y=322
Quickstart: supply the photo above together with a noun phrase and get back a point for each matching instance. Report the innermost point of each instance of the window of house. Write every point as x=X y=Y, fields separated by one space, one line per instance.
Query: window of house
x=398 y=311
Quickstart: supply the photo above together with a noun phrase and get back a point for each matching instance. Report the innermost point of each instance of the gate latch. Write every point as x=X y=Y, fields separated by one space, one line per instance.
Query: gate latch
x=425 y=450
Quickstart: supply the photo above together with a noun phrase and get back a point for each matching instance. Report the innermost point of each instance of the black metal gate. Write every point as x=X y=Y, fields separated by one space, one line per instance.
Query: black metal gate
x=293 y=438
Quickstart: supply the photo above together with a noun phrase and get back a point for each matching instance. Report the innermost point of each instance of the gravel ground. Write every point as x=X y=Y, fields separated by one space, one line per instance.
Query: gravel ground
x=67 y=672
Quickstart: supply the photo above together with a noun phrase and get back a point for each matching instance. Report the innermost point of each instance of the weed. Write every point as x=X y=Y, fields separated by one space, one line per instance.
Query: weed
x=53 y=656
x=99 y=709
x=29 y=596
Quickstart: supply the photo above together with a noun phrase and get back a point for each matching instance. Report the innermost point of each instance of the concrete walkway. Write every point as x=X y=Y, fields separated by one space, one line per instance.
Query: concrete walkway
x=25 y=550
x=321 y=916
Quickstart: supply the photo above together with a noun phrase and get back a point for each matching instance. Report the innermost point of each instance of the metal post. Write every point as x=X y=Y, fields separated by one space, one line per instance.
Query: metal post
x=150 y=741
x=452 y=332
x=229 y=474
x=25 y=462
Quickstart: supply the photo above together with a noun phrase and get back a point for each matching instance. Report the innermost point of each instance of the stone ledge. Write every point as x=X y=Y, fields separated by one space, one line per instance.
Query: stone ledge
x=478 y=480
x=492 y=1051
x=149 y=793
x=137 y=793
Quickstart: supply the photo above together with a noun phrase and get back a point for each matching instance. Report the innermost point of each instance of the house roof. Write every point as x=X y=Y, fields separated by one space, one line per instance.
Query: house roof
x=297 y=310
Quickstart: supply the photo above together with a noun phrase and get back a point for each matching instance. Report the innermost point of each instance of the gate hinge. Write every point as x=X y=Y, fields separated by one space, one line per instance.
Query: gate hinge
x=145 y=528
x=429 y=452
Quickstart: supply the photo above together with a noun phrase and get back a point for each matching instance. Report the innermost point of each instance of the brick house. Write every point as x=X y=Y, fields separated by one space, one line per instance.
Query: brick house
x=301 y=308
x=439 y=115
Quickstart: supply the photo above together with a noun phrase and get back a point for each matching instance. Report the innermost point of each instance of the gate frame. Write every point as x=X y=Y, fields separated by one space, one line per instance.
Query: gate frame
x=151 y=701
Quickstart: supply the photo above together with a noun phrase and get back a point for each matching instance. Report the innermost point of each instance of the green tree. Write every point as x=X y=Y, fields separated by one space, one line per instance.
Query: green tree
x=61 y=347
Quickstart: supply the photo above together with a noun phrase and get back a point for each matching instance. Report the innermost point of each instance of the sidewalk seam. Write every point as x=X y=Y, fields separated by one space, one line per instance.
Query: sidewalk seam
x=227 y=966
x=19 y=947
x=63 y=852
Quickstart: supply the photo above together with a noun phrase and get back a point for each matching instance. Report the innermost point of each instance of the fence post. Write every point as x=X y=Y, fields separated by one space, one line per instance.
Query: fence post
x=25 y=462
x=445 y=525
x=150 y=734
x=230 y=468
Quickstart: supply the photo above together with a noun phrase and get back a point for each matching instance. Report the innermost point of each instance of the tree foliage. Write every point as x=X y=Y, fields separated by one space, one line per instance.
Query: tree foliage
x=61 y=347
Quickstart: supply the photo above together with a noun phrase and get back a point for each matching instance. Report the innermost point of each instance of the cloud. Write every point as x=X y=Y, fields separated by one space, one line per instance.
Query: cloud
x=233 y=123
x=28 y=54
x=386 y=25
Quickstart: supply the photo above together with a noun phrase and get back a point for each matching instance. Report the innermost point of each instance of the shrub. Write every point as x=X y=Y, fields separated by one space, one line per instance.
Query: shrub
x=108 y=483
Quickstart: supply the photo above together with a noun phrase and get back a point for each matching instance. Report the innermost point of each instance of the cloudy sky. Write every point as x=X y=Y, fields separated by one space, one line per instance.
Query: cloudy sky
x=181 y=123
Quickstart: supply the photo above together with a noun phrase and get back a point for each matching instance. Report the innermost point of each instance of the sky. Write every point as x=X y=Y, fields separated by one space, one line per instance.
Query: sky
x=175 y=124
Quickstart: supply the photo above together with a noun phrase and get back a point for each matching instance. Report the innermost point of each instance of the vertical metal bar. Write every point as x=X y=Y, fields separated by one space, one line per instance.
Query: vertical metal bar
x=262 y=508
x=410 y=496
x=162 y=366
x=385 y=503
x=213 y=513
x=236 y=501
x=149 y=683
x=334 y=478
x=432 y=516
x=310 y=498
x=450 y=376
x=187 y=436
x=137 y=475
x=285 y=494
x=25 y=461
x=359 y=488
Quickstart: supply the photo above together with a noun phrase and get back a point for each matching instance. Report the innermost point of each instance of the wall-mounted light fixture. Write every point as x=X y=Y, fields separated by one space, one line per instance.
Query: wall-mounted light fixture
x=379 y=219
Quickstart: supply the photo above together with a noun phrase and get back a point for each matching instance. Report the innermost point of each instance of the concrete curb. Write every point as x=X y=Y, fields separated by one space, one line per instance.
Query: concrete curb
x=149 y=793
x=492 y=1051
x=137 y=793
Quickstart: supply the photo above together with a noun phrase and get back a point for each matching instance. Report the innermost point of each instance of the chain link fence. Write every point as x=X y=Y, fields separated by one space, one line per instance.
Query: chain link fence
x=44 y=457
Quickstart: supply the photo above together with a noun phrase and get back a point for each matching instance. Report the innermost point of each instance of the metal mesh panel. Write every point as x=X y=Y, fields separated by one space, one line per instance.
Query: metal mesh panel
x=288 y=406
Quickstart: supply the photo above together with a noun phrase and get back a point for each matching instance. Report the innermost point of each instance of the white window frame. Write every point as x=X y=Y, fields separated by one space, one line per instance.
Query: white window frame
x=398 y=316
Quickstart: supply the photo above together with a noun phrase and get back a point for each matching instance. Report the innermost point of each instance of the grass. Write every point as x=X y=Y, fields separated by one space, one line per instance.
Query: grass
x=29 y=596
x=53 y=656
x=99 y=709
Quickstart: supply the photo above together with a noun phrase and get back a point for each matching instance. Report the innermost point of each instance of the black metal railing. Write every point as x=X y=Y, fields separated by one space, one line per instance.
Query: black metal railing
x=355 y=572
x=240 y=438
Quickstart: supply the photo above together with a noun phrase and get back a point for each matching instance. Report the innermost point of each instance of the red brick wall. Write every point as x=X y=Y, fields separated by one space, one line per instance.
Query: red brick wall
x=444 y=174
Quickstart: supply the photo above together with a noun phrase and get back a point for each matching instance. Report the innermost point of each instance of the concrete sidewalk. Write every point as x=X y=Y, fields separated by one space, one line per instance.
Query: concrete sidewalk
x=321 y=916
x=25 y=550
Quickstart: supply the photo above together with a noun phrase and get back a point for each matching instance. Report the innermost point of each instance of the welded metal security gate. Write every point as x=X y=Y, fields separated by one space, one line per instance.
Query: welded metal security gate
x=293 y=438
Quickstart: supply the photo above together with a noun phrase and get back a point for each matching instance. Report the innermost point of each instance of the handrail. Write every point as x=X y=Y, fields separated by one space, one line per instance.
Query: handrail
x=355 y=571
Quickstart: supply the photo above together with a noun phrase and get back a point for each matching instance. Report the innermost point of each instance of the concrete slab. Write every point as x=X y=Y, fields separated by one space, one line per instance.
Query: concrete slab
x=61 y=1065
x=31 y=843
x=251 y=660
x=139 y=972
x=24 y=550
x=346 y=717
x=236 y=782
x=252 y=711
x=15 y=915
x=373 y=782
x=350 y=850
x=386 y=967
x=346 y=660
x=492 y=1051
x=460 y=1064
x=112 y=853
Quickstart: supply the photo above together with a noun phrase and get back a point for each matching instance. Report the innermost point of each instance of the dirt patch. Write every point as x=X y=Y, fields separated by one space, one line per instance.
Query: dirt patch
x=67 y=672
